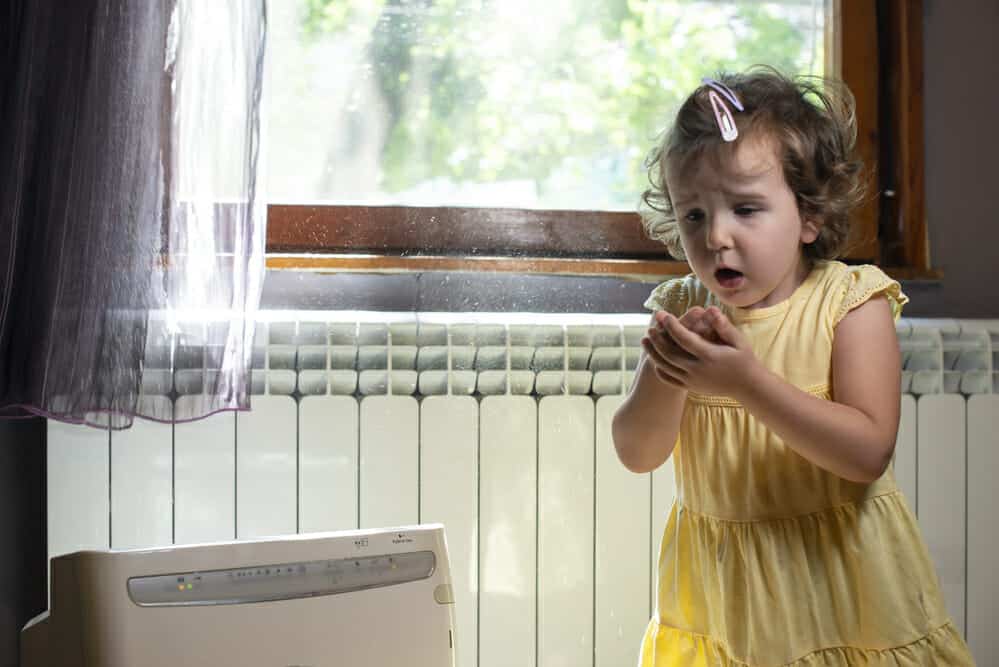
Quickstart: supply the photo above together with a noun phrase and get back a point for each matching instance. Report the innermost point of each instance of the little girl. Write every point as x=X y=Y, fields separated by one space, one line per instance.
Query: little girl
x=771 y=374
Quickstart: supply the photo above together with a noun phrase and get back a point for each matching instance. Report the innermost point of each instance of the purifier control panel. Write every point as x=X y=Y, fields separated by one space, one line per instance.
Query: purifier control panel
x=280 y=581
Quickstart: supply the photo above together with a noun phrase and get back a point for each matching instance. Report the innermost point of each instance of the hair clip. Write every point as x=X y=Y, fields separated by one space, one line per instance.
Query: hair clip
x=723 y=116
x=724 y=90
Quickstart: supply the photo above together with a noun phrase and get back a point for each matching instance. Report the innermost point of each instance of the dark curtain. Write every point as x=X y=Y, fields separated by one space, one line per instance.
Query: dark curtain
x=131 y=225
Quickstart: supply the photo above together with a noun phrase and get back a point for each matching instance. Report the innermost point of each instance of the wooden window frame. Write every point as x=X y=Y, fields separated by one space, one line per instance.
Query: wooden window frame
x=890 y=228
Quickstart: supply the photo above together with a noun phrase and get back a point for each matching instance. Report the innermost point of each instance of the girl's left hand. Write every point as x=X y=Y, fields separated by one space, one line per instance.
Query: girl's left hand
x=705 y=367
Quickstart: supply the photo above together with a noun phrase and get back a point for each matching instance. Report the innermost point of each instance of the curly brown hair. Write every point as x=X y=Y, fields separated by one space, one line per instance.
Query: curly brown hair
x=813 y=122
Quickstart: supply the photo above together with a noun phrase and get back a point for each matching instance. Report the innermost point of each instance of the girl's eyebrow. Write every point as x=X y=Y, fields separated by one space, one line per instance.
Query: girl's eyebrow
x=745 y=194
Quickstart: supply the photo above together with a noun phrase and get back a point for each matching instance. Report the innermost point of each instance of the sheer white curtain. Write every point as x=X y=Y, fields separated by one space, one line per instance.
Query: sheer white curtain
x=132 y=227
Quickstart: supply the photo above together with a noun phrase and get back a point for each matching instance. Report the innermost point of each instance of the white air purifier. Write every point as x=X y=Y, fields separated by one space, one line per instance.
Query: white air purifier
x=366 y=598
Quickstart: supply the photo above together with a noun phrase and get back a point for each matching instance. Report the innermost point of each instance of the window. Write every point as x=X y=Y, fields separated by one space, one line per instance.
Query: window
x=510 y=135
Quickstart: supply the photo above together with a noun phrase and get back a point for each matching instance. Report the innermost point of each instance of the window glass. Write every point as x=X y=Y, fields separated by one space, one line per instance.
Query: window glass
x=502 y=103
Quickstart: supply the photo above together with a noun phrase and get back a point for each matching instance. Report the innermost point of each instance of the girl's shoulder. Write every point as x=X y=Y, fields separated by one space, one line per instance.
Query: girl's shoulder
x=846 y=286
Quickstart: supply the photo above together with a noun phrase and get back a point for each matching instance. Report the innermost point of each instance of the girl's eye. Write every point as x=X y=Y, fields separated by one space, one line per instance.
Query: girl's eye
x=745 y=211
x=694 y=216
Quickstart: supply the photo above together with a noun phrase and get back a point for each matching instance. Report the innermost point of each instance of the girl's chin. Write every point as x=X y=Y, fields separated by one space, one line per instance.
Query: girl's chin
x=738 y=297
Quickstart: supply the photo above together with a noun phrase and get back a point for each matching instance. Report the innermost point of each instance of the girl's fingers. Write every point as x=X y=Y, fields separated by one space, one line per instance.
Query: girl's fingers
x=659 y=342
x=664 y=371
x=697 y=327
x=692 y=317
x=660 y=359
x=686 y=339
x=698 y=321
x=670 y=380
x=694 y=320
x=670 y=352
x=706 y=331
x=667 y=347
x=652 y=352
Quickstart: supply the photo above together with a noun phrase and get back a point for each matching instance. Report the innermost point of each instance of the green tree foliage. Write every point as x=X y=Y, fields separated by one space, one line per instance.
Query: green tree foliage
x=555 y=92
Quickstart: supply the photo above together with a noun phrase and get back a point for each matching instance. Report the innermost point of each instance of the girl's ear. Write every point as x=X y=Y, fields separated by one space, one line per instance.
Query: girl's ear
x=810 y=230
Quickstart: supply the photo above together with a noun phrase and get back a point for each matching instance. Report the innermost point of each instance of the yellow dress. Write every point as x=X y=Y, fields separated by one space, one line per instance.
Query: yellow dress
x=768 y=559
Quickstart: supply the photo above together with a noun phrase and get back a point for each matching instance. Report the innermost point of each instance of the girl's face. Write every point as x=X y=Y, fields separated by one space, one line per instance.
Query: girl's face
x=740 y=225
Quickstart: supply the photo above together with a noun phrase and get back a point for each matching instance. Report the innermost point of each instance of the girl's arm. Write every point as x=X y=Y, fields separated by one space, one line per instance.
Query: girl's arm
x=852 y=436
x=646 y=424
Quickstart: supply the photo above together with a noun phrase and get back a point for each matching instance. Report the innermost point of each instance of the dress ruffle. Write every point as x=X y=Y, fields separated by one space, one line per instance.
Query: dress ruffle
x=853 y=578
x=861 y=283
x=942 y=646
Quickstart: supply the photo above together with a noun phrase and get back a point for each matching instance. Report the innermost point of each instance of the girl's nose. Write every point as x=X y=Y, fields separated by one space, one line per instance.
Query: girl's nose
x=719 y=234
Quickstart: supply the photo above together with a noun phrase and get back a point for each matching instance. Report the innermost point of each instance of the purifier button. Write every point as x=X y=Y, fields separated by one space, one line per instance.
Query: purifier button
x=443 y=594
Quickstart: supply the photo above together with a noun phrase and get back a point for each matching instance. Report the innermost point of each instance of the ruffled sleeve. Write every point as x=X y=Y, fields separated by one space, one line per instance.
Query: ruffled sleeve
x=859 y=284
x=672 y=296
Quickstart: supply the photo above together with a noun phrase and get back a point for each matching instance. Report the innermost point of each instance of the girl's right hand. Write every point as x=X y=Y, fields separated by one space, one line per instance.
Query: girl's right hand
x=657 y=343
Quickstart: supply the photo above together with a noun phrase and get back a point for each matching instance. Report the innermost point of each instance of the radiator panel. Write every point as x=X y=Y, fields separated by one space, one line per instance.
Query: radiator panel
x=449 y=494
x=205 y=479
x=508 y=525
x=983 y=528
x=78 y=488
x=328 y=447
x=565 y=530
x=389 y=464
x=266 y=466
x=623 y=523
x=904 y=463
x=142 y=484
x=941 y=499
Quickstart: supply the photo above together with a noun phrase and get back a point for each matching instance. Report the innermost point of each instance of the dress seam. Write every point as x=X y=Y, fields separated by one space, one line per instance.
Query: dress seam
x=885 y=284
x=728 y=650
x=816 y=390
x=792 y=517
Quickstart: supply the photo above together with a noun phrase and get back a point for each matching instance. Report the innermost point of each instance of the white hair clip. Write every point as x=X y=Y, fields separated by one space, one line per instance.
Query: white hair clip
x=723 y=115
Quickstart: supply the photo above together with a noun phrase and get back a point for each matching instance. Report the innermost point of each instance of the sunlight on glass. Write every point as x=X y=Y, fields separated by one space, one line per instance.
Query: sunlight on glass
x=512 y=103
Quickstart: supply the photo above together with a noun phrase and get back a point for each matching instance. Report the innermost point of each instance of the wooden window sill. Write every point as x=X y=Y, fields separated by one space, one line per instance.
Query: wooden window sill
x=637 y=269
x=631 y=269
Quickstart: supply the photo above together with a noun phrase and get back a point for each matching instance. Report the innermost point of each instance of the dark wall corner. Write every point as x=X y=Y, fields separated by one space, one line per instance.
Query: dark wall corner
x=23 y=525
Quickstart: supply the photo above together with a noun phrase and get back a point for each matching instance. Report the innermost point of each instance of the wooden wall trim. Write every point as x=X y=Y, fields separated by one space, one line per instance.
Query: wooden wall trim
x=903 y=215
x=409 y=230
x=858 y=53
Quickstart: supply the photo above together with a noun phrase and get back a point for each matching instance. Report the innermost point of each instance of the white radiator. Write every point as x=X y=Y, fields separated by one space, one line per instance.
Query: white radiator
x=499 y=427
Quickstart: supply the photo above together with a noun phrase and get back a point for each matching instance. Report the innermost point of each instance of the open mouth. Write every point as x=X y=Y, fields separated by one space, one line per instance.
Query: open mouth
x=728 y=277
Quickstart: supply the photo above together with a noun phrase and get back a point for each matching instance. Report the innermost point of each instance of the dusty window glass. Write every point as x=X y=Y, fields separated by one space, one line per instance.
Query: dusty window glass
x=503 y=103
